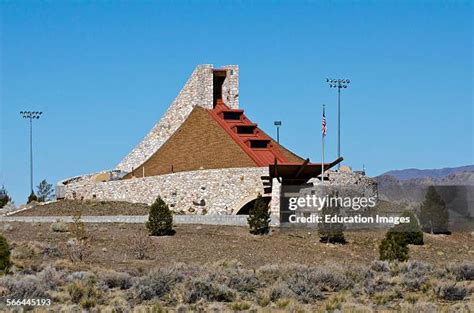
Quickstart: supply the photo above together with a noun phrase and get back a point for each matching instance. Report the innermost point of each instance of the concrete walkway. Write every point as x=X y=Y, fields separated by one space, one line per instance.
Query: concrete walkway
x=236 y=220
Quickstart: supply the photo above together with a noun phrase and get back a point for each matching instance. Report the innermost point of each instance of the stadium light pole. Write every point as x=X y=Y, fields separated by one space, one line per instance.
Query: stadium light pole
x=31 y=115
x=278 y=124
x=339 y=84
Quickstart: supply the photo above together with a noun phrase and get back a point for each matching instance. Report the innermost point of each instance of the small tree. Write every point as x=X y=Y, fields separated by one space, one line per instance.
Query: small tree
x=331 y=232
x=259 y=217
x=393 y=247
x=4 y=198
x=45 y=191
x=4 y=255
x=78 y=246
x=410 y=232
x=434 y=215
x=160 y=219
x=32 y=197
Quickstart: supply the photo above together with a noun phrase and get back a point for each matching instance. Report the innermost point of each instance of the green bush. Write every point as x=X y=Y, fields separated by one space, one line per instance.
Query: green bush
x=259 y=217
x=160 y=220
x=393 y=247
x=409 y=232
x=32 y=197
x=4 y=198
x=4 y=255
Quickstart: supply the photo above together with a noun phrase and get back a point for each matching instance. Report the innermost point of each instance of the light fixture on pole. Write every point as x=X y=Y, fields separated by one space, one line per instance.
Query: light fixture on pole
x=278 y=124
x=339 y=84
x=31 y=115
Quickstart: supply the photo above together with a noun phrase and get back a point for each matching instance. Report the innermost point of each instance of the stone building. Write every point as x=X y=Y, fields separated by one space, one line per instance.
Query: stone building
x=204 y=156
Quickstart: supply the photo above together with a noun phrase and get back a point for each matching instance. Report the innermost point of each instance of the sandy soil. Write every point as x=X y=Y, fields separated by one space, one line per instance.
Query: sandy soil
x=112 y=246
x=86 y=207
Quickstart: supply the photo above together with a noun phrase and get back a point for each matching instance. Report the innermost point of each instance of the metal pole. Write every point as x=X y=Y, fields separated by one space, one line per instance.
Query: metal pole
x=31 y=154
x=322 y=164
x=339 y=125
x=278 y=135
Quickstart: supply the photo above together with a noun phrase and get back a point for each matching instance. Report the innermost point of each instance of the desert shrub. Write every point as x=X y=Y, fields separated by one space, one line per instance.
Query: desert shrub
x=77 y=227
x=32 y=197
x=393 y=248
x=51 y=250
x=141 y=245
x=84 y=293
x=4 y=255
x=51 y=278
x=331 y=232
x=451 y=292
x=305 y=285
x=4 y=198
x=434 y=215
x=241 y=280
x=376 y=284
x=160 y=219
x=78 y=250
x=204 y=288
x=259 y=217
x=113 y=279
x=380 y=266
x=240 y=306
x=78 y=247
x=156 y=284
x=416 y=268
x=22 y=251
x=464 y=271
x=280 y=290
x=23 y=287
x=59 y=227
x=415 y=275
x=410 y=232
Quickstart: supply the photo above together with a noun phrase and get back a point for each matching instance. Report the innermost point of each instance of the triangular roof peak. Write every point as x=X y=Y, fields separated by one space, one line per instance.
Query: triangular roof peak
x=205 y=84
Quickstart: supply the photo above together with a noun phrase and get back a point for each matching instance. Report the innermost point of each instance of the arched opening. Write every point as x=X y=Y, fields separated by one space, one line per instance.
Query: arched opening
x=246 y=208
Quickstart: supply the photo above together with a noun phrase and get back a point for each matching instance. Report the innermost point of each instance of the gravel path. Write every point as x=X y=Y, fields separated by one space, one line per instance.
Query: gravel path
x=240 y=220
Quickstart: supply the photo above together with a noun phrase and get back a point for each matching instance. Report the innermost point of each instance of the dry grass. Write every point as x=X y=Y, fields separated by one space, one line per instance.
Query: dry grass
x=227 y=269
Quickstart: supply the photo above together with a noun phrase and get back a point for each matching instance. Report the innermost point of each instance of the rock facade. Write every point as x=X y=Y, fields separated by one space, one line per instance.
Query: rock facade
x=218 y=191
x=198 y=91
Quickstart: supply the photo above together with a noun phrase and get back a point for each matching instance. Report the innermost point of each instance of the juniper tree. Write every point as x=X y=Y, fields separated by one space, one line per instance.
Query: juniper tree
x=4 y=198
x=259 y=217
x=4 y=255
x=331 y=232
x=160 y=220
x=32 y=197
x=434 y=215
x=393 y=248
x=409 y=232
x=45 y=191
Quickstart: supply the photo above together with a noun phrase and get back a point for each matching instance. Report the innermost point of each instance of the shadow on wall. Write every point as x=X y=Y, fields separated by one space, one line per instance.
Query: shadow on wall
x=246 y=208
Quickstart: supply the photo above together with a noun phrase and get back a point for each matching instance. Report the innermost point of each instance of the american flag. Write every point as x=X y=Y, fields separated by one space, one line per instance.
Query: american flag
x=323 y=127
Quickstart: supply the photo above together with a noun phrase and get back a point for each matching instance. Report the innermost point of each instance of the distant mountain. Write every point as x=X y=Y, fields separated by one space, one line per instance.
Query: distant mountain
x=455 y=185
x=412 y=173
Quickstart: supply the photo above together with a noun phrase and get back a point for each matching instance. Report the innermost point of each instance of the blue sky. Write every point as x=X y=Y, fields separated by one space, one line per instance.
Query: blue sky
x=104 y=72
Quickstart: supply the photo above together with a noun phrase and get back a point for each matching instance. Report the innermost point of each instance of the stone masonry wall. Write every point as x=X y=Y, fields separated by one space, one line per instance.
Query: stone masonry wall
x=218 y=191
x=198 y=91
x=230 y=87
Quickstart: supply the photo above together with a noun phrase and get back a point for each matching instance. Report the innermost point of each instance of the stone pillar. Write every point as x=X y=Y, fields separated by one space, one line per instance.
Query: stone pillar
x=230 y=88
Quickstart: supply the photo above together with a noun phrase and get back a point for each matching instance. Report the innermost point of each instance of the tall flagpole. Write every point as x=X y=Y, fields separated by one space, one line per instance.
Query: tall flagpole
x=323 y=134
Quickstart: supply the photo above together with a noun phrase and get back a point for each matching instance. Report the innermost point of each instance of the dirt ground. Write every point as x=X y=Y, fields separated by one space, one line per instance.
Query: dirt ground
x=111 y=246
x=86 y=207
